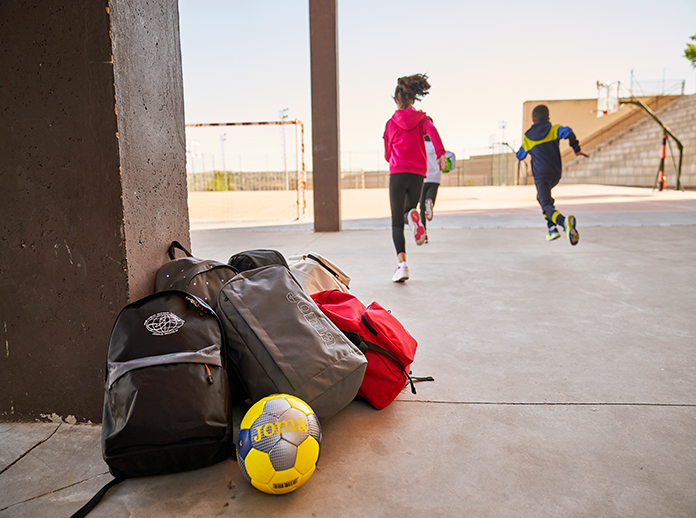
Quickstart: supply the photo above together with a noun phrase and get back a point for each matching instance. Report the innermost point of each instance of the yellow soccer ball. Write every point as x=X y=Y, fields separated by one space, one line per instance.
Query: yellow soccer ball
x=279 y=444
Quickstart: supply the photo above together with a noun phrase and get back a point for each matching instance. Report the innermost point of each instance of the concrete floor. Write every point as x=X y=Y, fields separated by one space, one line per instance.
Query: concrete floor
x=565 y=377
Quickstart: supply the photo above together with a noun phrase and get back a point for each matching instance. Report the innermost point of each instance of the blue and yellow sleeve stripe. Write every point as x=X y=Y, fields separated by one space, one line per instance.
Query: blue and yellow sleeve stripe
x=556 y=132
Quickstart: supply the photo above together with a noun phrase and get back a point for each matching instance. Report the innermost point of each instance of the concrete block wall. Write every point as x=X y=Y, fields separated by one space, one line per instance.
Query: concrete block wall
x=632 y=157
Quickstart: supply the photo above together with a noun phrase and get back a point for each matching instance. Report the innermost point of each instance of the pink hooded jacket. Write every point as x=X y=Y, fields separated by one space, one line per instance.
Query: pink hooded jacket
x=404 y=147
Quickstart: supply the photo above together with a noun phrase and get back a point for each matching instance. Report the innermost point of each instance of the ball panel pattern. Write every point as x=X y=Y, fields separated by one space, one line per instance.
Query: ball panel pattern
x=242 y=467
x=314 y=427
x=307 y=453
x=275 y=406
x=252 y=414
x=263 y=433
x=279 y=443
x=299 y=404
x=293 y=426
x=259 y=467
x=283 y=455
x=243 y=443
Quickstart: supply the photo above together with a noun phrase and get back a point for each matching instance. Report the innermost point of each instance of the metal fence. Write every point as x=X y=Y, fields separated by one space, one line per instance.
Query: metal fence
x=494 y=169
x=243 y=181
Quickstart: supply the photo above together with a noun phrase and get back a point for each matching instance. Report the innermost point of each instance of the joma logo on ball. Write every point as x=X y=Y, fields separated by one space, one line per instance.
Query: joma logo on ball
x=271 y=429
x=312 y=319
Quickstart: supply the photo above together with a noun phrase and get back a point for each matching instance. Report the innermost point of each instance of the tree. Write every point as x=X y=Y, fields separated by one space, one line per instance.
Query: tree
x=690 y=52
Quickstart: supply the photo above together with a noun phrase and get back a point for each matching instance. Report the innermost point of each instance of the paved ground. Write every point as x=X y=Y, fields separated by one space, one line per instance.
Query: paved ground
x=565 y=376
x=457 y=207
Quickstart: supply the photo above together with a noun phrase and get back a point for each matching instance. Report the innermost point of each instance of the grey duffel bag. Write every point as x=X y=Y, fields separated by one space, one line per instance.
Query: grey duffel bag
x=282 y=343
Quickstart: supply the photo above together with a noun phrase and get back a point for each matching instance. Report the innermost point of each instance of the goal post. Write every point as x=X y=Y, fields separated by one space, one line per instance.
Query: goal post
x=250 y=172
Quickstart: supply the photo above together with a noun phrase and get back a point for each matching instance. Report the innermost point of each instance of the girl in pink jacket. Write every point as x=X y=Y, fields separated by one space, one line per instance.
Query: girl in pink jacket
x=404 y=149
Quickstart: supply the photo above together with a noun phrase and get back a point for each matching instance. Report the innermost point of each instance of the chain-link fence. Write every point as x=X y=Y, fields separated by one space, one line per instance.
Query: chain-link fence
x=493 y=169
x=475 y=170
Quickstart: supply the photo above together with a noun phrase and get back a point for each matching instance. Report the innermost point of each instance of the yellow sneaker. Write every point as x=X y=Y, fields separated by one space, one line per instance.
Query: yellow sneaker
x=571 y=230
x=553 y=234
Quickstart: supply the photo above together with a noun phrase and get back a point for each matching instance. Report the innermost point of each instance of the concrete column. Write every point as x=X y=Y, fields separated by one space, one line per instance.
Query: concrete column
x=92 y=168
x=326 y=149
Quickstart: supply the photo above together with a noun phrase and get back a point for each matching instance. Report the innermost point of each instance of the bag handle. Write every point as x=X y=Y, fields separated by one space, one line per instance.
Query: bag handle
x=176 y=245
x=326 y=267
x=85 y=509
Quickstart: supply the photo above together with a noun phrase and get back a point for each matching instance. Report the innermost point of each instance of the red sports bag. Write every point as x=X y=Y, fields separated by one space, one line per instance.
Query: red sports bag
x=388 y=347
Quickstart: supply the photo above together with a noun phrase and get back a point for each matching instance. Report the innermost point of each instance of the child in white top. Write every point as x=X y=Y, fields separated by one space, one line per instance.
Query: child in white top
x=432 y=181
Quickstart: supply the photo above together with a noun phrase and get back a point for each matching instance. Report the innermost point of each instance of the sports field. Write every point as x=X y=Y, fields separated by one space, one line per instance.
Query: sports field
x=461 y=206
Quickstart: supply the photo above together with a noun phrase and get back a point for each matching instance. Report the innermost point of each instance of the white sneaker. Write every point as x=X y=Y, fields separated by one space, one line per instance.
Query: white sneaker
x=429 y=209
x=401 y=274
x=416 y=227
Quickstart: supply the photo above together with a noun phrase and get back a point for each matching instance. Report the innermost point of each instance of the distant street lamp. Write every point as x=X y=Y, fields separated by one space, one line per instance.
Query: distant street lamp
x=283 y=114
x=223 y=137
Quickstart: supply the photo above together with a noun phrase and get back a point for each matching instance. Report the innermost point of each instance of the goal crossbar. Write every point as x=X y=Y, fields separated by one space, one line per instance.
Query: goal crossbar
x=301 y=174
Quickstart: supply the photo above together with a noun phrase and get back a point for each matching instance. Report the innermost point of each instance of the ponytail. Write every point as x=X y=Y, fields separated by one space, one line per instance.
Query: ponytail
x=410 y=89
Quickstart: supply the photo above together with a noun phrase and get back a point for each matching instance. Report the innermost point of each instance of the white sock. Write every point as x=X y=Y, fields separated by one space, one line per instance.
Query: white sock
x=403 y=265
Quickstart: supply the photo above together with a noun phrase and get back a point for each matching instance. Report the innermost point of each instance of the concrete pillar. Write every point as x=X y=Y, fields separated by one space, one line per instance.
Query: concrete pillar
x=92 y=168
x=326 y=149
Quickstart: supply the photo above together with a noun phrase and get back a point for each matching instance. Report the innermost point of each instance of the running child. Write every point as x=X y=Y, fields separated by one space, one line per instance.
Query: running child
x=432 y=181
x=541 y=142
x=404 y=149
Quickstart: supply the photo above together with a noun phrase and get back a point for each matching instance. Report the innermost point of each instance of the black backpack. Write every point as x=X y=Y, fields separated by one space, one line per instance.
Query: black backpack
x=202 y=277
x=166 y=402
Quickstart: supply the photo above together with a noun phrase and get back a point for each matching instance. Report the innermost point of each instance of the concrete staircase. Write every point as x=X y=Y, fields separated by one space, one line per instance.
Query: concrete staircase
x=632 y=157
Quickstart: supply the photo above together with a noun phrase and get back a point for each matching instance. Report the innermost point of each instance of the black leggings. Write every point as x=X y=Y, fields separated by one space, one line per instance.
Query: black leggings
x=404 y=192
x=429 y=191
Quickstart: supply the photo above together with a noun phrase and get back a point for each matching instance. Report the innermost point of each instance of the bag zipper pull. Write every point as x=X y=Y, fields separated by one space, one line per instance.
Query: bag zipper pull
x=210 y=376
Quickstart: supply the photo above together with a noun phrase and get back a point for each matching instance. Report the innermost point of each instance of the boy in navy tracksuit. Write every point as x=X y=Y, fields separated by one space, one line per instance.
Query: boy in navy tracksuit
x=541 y=141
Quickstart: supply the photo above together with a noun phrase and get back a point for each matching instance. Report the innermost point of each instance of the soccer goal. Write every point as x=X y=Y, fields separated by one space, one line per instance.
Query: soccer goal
x=248 y=157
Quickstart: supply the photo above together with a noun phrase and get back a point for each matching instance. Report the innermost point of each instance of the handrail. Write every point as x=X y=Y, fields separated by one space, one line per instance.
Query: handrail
x=596 y=138
x=667 y=131
x=526 y=166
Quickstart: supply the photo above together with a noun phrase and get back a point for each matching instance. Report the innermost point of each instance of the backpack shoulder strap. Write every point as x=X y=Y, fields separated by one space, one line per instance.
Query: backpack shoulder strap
x=365 y=346
x=374 y=347
x=85 y=509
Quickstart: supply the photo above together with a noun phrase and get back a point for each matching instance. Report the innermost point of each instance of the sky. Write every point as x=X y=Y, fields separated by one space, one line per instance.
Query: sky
x=247 y=61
